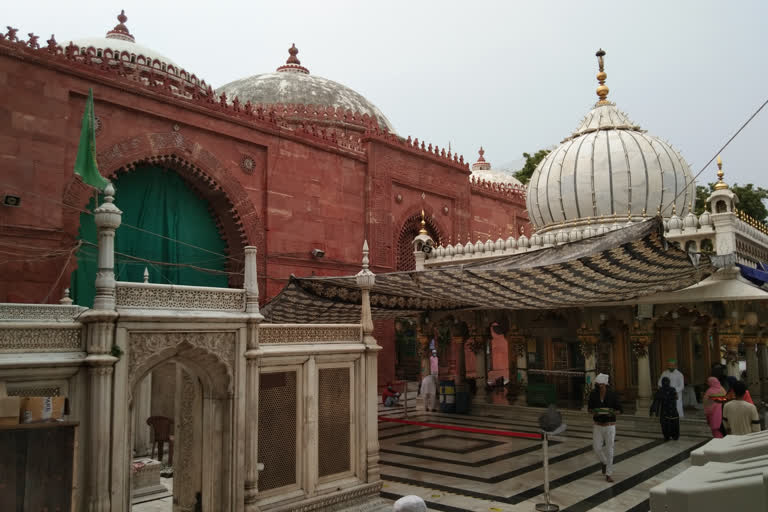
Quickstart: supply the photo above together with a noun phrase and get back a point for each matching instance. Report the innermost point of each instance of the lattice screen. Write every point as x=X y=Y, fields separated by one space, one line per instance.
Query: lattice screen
x=277 y=429
x=334 y=443
x=41 y=391
x=411 y=227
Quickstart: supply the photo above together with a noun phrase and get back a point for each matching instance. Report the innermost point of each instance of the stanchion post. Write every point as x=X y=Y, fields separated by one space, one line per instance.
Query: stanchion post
x=547 y=506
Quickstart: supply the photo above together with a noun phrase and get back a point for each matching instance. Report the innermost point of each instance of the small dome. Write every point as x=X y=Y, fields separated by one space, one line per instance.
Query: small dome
x=119 y=40
x=293 y=84
x=481 y=170
x=608 y=168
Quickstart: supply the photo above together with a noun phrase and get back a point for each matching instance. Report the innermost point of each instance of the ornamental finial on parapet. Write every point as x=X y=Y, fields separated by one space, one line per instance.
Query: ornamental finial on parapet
x=602 y=89
x=423 y=230
x=720 y=185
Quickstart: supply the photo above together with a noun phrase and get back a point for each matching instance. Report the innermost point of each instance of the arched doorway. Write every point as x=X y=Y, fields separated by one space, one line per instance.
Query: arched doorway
x=159 y=209
x=407 y=364
x=203 y=418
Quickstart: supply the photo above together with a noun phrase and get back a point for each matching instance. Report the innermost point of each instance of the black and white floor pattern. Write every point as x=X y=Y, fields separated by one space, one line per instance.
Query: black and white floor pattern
x=460 y=471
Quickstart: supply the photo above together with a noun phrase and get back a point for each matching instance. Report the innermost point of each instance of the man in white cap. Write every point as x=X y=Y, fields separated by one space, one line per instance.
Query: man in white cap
x=604 y=405
x=676 y=380
x=410 y=504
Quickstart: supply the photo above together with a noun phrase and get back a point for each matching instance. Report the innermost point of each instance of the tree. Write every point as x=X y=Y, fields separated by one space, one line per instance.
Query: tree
x=524 y=174
x=751 y=199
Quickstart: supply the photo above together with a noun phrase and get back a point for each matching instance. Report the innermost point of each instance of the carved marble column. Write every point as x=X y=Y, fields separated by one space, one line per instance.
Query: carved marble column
x=753 y=371
x=519 y=344
x=365 y=280
x=457 y=343
x=142 y=409
x=480 y=371
x=187 y=441
x=587 y=345
x=100 y=323
x=252 y=356
x=762 y=362
x=640 y=339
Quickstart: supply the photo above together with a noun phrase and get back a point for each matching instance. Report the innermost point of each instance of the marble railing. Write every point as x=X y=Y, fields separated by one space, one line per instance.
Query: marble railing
x=169 y=297
x=12 y=312
x=748 y=238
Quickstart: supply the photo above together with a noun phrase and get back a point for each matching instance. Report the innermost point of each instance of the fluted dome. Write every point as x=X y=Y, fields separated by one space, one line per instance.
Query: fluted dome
x=482 y=170
x=608 y=168
x=119 y=40
x=293 y=84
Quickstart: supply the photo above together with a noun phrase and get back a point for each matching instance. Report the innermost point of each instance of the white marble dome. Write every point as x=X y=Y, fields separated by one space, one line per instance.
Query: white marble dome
x=119 y=39
x=608 y=168
x=482 y=170
x=293 y=84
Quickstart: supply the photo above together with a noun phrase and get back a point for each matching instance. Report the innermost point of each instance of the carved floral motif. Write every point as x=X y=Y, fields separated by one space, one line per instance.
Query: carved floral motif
x=173 y=297
x=57 y=339
x=309 y=334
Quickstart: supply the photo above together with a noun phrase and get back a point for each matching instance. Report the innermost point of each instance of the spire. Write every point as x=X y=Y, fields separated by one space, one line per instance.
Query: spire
x=602 y=89
x=423 y=230
x=481 y=164
x=121 y=31
x=293 y=64
x=720 y=185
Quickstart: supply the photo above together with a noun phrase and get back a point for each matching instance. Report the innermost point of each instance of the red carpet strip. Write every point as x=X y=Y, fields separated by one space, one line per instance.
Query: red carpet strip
x=525 y=435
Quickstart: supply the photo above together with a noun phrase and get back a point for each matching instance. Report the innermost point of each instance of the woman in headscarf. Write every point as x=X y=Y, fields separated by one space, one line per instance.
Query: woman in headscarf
x=713 y=399
x=665 y=406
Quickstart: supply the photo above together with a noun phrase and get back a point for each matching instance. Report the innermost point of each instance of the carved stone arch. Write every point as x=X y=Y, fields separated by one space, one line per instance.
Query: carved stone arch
x=410 y=224
x=232 y=209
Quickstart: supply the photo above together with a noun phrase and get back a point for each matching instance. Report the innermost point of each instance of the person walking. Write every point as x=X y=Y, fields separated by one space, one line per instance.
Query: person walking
x=665 y=407
x=604 y=404
x=677 y=381
x=429 y=384
x=714 y=398
x=739 y=416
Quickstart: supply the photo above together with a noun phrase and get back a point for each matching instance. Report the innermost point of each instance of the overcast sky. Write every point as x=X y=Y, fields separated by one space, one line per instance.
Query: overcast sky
x=512 y=76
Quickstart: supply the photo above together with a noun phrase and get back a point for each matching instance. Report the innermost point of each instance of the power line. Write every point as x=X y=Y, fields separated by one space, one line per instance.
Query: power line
x=44 y=198
x=718 y=152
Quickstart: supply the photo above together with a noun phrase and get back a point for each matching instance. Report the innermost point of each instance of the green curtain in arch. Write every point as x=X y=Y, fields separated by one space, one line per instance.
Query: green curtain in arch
x=159 y=201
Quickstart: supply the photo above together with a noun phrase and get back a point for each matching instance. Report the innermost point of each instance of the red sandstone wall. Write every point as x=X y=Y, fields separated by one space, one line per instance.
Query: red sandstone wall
x=296 y=195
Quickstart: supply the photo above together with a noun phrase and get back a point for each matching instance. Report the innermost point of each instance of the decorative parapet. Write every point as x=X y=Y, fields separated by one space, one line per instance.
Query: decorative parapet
x=503 y=191
x=39 y=313
x=309 y=333
x=170 y=297
x=54 y=337
x=413 y=146
x=165 y=79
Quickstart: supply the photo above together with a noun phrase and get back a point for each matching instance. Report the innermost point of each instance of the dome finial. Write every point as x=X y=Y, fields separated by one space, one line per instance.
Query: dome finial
x=720 y=185
x=602 y=89
x=481 y=153
x=121 y=31
x=423 y=230
x=293 y=63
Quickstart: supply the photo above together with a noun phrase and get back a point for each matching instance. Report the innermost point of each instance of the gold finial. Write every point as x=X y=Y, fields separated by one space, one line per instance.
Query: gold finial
x=423 y=230
x=720 y=185
x=690 y=206
x=602 y=89
x=674 y=209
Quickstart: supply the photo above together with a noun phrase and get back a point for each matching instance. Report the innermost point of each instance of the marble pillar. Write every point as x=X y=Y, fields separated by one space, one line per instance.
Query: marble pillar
x=461 y=368
x=188 y=430
x=762 y=362
x=480 y=376
x=522 y=370
x=365 y=280
x=640 y=338
x=100 y=323
x=252 y=355
x=142 y=409
x=753 y=371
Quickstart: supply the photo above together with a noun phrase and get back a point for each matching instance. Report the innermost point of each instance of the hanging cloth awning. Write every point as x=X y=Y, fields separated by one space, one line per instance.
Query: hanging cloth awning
x=620 y=265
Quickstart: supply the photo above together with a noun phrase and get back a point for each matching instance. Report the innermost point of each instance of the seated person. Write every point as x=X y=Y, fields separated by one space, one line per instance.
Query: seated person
x=389 y=396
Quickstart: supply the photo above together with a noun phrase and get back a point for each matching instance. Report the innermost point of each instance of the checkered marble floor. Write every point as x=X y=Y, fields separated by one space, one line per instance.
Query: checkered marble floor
x=460 y=471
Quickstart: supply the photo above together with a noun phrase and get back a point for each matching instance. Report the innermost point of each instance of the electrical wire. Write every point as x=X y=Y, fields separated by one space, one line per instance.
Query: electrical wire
x=744 y=125
x=66 y=263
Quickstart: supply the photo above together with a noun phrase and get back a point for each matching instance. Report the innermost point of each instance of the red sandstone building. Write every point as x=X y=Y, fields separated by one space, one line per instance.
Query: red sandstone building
x=295 y=164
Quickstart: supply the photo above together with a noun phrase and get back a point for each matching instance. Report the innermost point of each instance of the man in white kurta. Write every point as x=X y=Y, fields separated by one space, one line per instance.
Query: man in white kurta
x=676 y=381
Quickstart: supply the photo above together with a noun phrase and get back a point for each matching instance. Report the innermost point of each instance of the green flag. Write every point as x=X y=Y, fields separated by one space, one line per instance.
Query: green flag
x=85 y=163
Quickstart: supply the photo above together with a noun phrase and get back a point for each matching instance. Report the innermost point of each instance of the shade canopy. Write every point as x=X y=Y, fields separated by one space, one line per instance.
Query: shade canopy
x=617 y=266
